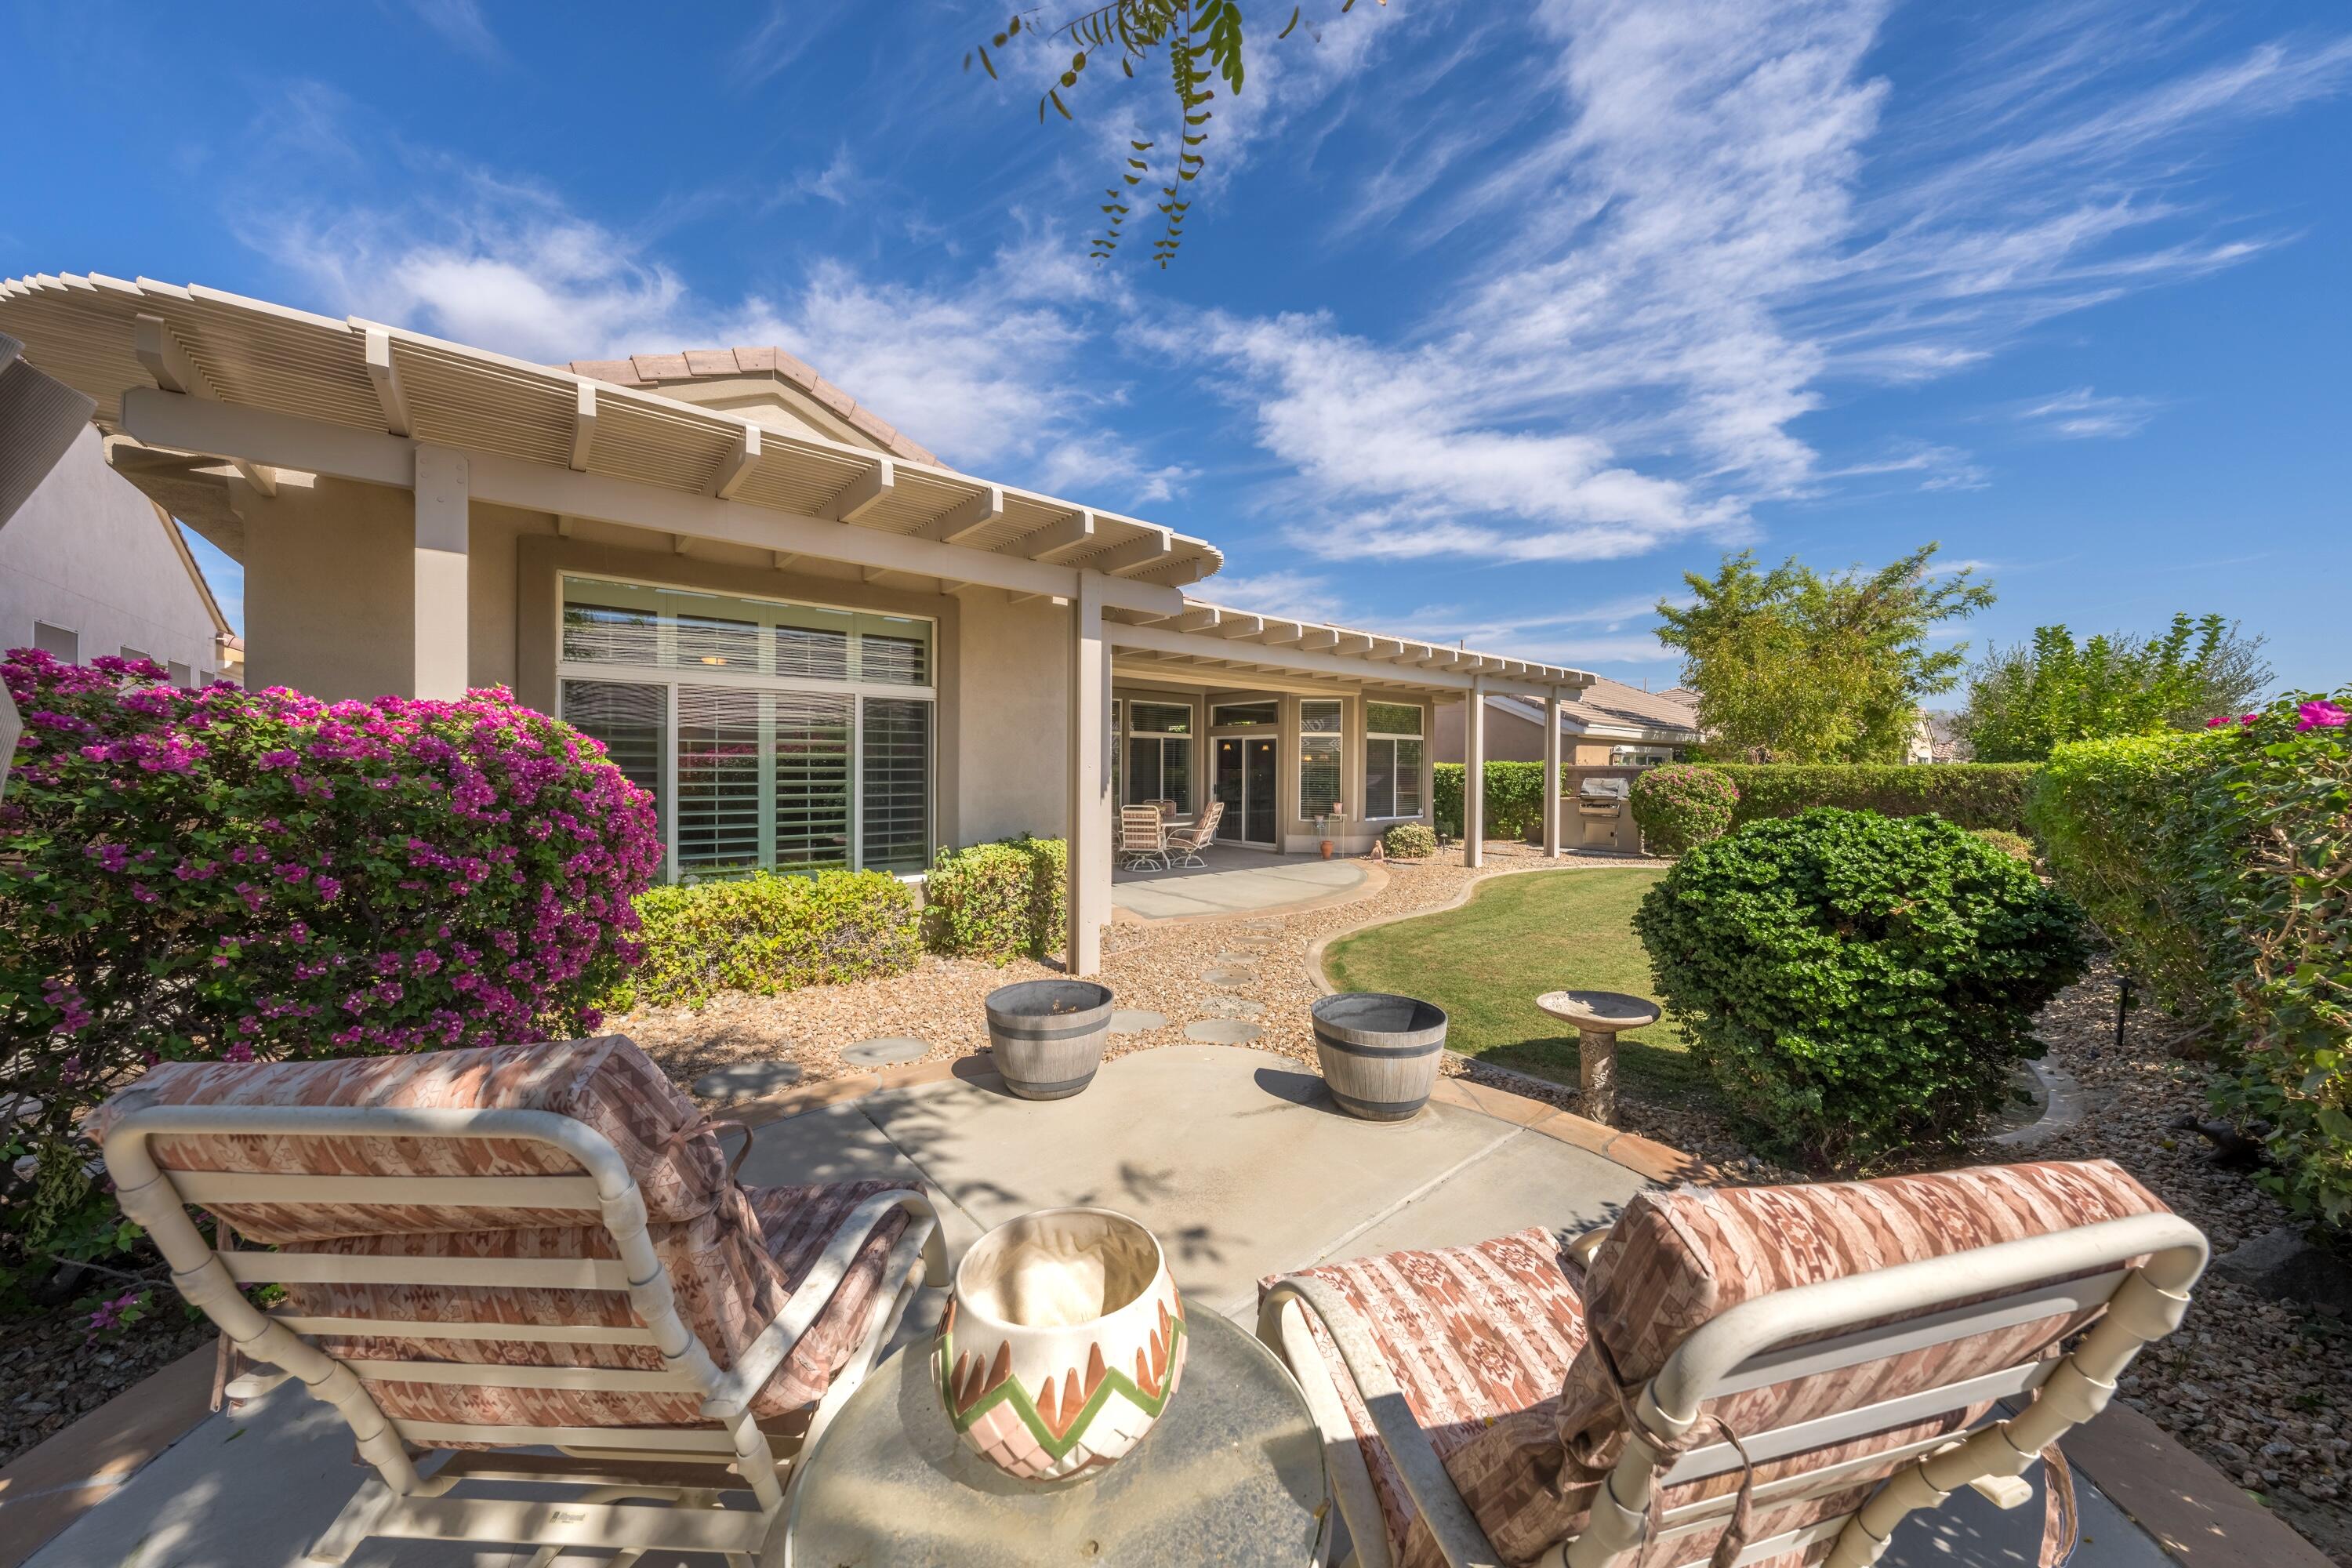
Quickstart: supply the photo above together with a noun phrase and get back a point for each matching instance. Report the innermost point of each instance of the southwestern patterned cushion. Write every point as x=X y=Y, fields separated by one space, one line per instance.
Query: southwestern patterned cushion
x=606 y=1083
x=733 y=1270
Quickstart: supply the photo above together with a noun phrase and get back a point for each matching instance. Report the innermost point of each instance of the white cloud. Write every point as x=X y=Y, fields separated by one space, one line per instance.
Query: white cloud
x=2084 y=414
x=461 y=24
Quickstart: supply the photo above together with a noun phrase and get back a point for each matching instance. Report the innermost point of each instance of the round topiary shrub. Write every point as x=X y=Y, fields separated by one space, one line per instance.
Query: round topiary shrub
x=243 y=876
x=1409 y=841
x=1857 y=983
x=1680 y=806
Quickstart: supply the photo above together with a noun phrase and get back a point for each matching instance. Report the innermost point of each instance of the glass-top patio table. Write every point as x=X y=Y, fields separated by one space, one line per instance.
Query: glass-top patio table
x=1231 y=1475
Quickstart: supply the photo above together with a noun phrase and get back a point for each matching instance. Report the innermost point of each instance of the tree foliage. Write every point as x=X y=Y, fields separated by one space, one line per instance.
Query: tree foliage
x=1202 y=41
x=2025 y=698
x=1793 y=666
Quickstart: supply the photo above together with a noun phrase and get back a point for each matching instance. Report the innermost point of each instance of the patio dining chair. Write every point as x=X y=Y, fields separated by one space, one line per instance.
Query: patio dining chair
x=1185 y=844
x=521 y=1247
x=1142 y=838
x=1761 y=1376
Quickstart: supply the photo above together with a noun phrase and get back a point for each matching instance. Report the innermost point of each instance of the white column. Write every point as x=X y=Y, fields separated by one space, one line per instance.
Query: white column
x=1089 y=810
x=441 y=537
x=1474 y=775
x=1551 y=827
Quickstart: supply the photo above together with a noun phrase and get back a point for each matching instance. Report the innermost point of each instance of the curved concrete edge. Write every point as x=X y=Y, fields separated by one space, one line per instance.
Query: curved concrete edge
x=2065 y=1102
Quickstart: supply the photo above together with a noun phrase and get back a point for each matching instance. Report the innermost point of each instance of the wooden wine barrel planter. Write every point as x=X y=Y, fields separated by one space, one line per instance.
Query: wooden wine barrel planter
x=1048 y=1035
x=1379 y=1053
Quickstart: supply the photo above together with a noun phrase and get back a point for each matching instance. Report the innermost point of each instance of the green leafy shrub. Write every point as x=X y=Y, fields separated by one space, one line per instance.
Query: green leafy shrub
x=1681 y=806
x=1513 y=798
x=765 y=934
x=999 y=900
x=2221 y=868
x=2286 y=779
x=2007 y=843
x=1973 y=795
x=1857 y=983
x=1409 y=841
x=2129 y=830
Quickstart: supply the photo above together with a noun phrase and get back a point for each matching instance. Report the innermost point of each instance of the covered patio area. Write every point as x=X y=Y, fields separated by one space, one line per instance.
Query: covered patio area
x=1235 y=881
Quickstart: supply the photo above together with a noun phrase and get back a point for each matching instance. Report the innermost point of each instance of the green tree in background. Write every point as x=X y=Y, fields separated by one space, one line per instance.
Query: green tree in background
x=1793 y=666
x=2025 y=698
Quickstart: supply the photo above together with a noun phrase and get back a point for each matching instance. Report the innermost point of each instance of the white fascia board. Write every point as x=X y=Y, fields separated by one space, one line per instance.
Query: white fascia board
x=1157 y=639
x=182 y=423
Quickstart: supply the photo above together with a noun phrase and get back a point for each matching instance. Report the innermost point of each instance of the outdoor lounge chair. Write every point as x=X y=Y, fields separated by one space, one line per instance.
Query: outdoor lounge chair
x=523 y=1247
x=1142 y=838
x=1767 y=1376
x=1185 y=844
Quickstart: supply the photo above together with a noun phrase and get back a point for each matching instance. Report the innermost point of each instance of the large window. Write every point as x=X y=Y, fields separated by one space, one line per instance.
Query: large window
x=1391 y=759
x=771 y=736
x=1158 y=754
x=1320 y=726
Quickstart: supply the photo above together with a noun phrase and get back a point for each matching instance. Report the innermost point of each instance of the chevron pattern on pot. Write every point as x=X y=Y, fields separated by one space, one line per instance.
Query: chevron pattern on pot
x=1081 y=1418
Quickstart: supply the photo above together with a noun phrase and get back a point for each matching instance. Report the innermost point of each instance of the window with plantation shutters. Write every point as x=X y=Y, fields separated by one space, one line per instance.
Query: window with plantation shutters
x=773 y=736
x=897 y=782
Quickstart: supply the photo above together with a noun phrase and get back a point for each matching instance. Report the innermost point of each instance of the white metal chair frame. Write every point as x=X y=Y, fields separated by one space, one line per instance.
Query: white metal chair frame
x=669 y=1464
x=1736 y=1350
x=1185 y=844
x=1143 y=836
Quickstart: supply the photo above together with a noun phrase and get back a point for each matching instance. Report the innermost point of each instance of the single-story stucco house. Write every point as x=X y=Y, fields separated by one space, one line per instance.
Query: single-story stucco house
x=812 y=642
x=1608 y=724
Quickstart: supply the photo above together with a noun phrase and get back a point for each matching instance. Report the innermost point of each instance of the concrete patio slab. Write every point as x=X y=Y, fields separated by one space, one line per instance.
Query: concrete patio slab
x=1235 y=881
x=1235 y=1157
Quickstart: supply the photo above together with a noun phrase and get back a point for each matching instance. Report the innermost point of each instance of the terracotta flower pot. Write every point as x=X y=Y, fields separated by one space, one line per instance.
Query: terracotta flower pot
x=1327 y=850
x=1061 y=1344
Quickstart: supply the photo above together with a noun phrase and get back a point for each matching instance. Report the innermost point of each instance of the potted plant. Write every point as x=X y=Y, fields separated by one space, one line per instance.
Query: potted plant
x=1339 y=813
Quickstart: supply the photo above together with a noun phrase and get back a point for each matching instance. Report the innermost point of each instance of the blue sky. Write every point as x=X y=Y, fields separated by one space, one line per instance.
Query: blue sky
x=1493 y=319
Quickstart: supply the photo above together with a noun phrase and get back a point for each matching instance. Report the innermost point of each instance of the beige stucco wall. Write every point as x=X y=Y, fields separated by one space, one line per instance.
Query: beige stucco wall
x=87 y=553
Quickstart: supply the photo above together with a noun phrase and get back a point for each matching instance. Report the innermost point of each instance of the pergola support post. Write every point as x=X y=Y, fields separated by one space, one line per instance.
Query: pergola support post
x=1473 y=777
x=1089 y=848
x=442 y=534
x=1551 y=810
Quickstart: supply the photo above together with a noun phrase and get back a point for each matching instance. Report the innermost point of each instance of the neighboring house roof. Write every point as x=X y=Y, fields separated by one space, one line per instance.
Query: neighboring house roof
x=1613 y=708
x=654 y=371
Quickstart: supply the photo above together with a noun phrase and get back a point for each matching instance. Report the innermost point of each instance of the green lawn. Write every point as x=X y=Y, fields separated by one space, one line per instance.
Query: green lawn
x=1518 y=937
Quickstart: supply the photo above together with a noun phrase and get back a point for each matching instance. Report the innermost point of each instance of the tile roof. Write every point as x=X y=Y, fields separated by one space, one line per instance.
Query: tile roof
x=710 y=364
x=1612 y=702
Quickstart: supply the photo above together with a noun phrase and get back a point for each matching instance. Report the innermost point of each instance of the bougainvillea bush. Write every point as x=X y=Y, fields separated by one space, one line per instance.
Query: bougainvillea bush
x=223 y=875
x=1679 y=807
x=1855 y=983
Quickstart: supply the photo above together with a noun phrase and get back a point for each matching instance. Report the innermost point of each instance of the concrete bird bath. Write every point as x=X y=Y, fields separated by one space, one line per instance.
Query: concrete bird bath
x=1599 y=1016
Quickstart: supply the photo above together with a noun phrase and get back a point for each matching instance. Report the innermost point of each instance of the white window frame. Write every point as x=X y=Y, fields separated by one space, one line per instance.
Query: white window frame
x=1312 y=739
x=1189 y=736
x=671 y=679
x=1375 y=737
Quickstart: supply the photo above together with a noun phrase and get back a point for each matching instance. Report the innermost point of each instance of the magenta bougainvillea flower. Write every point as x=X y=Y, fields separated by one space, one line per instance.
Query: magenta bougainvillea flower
x=2321 y=714
x=228 y=875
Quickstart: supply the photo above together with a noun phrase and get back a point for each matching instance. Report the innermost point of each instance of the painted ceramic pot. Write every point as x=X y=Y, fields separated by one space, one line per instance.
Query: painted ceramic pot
x=1062 y=1343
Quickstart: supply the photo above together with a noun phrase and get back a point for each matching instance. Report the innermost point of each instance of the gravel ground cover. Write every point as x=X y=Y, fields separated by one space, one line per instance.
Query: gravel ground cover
x=52 y=1375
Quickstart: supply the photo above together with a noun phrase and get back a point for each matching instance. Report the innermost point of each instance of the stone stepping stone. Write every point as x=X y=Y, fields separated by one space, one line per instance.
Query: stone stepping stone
x=1232 y=1007
x=1222 y=1031
x=747 y=1080
x=1262 y=943
x=1229 y=976
x=1239 y=957
x=1136 y=1021
x=886 y=1051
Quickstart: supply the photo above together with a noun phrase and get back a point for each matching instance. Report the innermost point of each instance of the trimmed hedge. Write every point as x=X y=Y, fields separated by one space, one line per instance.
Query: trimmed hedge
x=766 y=934
x=1513 y=798
x=1971 y=794
x=999 y=900
x=2007 y=843
x=1855 y=983
x=1679 y=807
x=2221 y=866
